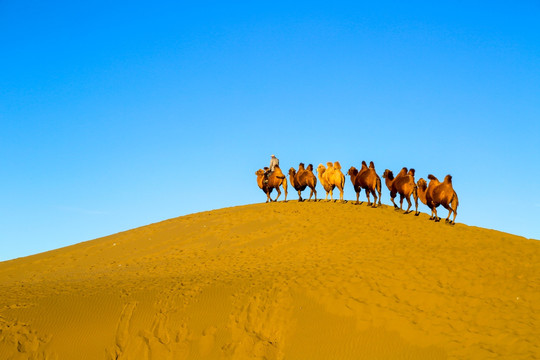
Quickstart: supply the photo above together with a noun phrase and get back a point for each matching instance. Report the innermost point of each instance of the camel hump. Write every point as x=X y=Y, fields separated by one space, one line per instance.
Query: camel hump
x=337 y=165
x=448 y=179
x=411 y=172
x=364 y=163
x=310 y=167
x=371 y=165
x=301 y=166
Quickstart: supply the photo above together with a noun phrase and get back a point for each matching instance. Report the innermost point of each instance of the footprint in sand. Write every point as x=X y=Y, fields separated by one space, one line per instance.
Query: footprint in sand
x=206 y=343
x=22 y=342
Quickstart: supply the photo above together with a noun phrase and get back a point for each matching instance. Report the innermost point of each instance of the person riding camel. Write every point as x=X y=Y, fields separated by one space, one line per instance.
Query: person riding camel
x=274 y=161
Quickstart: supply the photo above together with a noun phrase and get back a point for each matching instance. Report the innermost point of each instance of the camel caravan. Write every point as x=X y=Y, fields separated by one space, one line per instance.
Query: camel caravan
x=431 y=194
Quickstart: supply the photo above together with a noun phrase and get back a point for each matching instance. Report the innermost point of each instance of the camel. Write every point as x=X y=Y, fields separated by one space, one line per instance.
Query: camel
x=366 y=179
x=331 y=177
x=422 y=186
x=275 y=180
x=302 y=179
x=437 y=193
x=404 y=185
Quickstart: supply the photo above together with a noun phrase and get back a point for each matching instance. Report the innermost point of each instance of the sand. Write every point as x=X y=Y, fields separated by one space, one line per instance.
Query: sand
x=312 y=280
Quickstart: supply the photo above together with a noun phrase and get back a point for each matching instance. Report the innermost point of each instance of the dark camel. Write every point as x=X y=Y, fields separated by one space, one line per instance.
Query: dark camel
x=368 y=180
x=404 y=185
x=302 y=179
x=437 y=193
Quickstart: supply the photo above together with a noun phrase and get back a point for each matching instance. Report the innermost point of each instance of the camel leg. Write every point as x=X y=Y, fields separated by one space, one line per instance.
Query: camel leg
x=431 y=217
x=300 y=196
x=450 y=211
x=341 y=194
x=278 y=193
x=332 y=195
x=454 y=203
x=435 y=217
x=392 y=197
x=415 y=196
x=315 y=192
x=368 y=199
x=408 y=202
x=374 y=199
x=379 y=189
x=268 y=198
x=357 y=197
x=400 y=202
x=454 y=207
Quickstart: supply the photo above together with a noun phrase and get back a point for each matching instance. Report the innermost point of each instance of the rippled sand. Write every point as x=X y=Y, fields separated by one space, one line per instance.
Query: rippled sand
x=312 y=280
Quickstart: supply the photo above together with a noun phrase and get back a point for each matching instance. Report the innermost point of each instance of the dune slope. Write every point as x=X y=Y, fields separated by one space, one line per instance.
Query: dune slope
x=278 y=281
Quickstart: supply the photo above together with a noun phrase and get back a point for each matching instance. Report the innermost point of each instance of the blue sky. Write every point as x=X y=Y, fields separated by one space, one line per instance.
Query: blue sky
x=117 y=115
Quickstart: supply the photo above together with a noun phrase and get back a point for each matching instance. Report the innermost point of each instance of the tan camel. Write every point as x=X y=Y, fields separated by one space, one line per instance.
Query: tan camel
x=437 y=193
x=366 y=179
x=331 y=177
x=302 y=179
x=275 y=180
x=404 y=185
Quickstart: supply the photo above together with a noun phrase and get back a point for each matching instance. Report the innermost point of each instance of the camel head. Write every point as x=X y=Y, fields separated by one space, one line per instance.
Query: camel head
x=259 y=172
x=292 y=171
x=388 y=174
x=321 y=169
x=352 y=171
x=422 y=184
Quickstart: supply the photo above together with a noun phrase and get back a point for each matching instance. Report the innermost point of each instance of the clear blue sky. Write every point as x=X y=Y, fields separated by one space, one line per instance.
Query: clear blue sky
x=119 y=114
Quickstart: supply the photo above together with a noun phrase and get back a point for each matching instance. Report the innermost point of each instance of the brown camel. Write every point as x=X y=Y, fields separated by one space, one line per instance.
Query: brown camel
x=302 y=179
x=275 y=180
x=404 y=185
x=437 y=193
x=331 y=177
x=366 y=179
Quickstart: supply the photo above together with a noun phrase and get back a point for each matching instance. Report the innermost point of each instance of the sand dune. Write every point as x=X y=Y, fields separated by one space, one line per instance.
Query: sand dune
x=278 y=281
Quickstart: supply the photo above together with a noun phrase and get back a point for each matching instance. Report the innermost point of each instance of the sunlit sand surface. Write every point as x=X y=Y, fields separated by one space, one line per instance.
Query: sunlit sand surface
x=312 y=280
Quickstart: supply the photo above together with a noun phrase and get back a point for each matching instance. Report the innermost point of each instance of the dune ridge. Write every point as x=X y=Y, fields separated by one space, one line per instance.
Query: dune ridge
x=312 y=280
